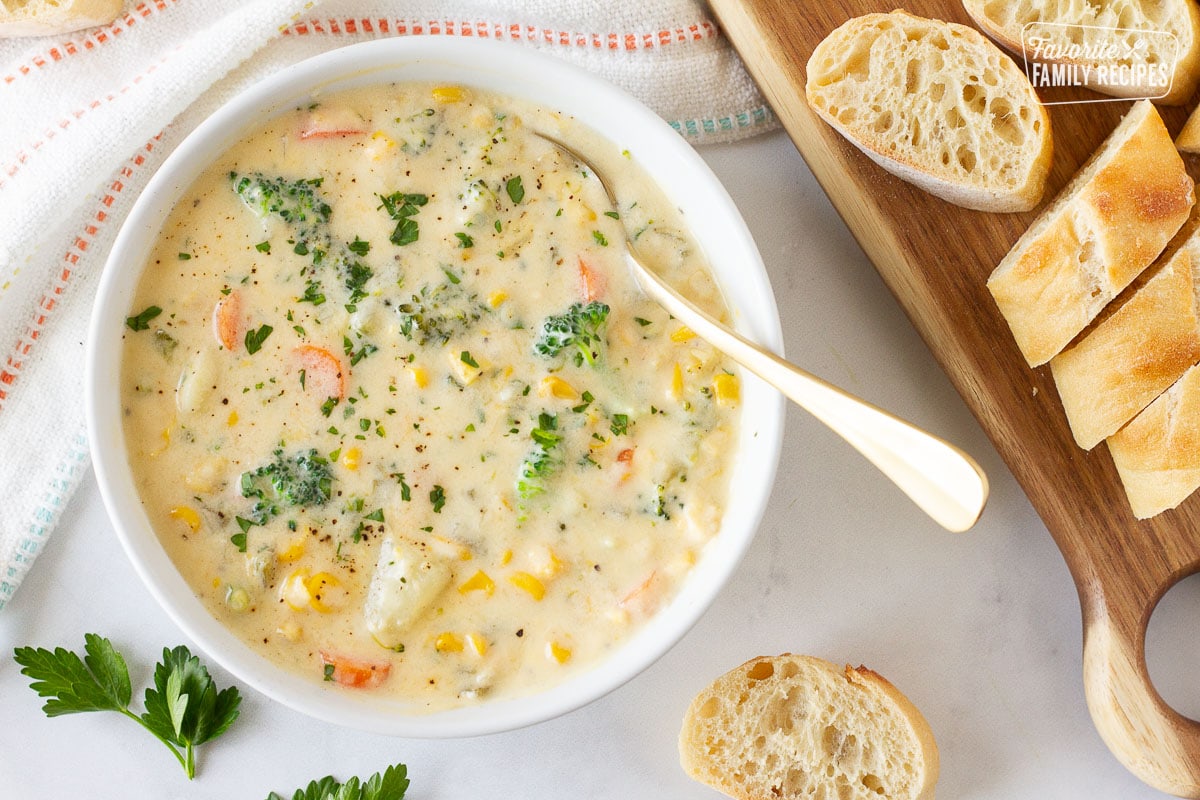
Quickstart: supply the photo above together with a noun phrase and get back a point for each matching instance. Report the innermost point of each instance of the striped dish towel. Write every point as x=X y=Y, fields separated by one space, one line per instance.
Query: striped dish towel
x=90 y=115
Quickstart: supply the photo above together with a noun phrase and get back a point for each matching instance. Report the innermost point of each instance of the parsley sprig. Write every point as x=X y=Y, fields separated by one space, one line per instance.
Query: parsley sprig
x=183 y=709
x=391 y=784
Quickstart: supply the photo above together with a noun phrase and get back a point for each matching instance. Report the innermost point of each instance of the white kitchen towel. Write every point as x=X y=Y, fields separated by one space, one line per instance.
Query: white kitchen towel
x=87 y=117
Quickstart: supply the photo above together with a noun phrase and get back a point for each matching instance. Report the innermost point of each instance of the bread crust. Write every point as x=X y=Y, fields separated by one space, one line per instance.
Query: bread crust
x=40 y=18
x=1103 y=229
x=1134 y=353
x=956 y=118
x=782 y=727
x=1004 y=21
x=1157 y=454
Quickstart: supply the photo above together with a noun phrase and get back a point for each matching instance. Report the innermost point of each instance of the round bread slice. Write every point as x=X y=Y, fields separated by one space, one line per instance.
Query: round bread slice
x=937 y=104
x=789 y=727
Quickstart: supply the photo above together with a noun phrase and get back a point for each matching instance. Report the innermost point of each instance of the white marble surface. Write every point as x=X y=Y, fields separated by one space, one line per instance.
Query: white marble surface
x=981 y=630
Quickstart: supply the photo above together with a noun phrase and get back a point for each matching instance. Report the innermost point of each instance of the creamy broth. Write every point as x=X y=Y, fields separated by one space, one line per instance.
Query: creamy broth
x=397 y=410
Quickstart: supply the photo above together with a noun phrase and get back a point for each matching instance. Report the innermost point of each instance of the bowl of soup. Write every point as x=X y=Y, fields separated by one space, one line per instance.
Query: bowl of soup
x=379 y=414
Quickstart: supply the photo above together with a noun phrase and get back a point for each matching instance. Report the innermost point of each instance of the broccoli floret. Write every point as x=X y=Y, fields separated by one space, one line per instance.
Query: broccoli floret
x=304 y=479
x=542 y=460
x=306 y=213
x=295 y=202
x=438 y=312
x=580 y=326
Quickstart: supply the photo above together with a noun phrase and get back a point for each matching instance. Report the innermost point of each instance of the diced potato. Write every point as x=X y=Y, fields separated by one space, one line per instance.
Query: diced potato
x=205 y=474
x=196 y=382
x=406 y=581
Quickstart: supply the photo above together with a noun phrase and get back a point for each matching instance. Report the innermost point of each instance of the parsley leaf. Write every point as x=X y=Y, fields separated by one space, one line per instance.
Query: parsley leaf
x=516 y=192
x=183 y=711
x=141 y=322
x=255 y=338
x=391 y=784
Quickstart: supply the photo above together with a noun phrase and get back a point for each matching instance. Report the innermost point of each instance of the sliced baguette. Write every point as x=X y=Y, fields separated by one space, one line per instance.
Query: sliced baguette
x=1137 y=351
x=936 y=104
x=53 y=17
x=1112 y=26
x=1158 y=453
x=789 y=727
x=1110 y=222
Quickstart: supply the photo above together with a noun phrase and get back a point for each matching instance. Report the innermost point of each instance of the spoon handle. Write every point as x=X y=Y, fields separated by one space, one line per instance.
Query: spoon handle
x=942 y=480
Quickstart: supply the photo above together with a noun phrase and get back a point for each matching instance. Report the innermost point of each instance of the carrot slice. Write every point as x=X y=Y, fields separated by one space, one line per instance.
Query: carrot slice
x=227 y=323
x=324 y=375
x=353 y=673
x=592 y=283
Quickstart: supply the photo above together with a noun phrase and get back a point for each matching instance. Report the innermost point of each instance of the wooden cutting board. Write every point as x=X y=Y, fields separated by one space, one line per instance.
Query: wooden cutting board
x=935 y=258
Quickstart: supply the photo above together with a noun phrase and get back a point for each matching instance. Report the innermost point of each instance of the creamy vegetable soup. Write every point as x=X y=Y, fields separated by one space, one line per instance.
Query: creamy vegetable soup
x=398 y=412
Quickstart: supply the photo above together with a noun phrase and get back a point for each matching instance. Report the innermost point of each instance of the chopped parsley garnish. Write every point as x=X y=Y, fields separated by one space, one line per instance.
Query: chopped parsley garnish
x=466 y=358
x=600 y=238
x=464 y=240
x=255 y=338
x=516 y=191
x=402 y=207
x=263 y=247
x=141 y=322
x=359 y=247
x=620 y=424
x=437 y=496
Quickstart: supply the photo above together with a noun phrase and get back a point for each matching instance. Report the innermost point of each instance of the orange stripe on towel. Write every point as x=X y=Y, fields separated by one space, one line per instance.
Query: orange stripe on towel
x=101 y=36
x=10 y=371
x=611 y=40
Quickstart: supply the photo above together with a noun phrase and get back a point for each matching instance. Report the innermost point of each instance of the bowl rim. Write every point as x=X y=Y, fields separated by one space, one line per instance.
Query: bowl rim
x=517 y=71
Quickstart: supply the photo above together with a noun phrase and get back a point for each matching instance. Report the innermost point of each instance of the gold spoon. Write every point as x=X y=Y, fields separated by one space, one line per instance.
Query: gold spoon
x=941 y=479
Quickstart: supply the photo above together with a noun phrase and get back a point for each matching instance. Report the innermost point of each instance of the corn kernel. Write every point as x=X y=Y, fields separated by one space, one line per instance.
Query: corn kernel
x=447 y=94
x=316 y=585
x=293 y=590
x=292 y=552
x=420 y=376
x=448 y=643
x=725 y=387
x=554 y=386
x=187 y=515
x=557 y=652
x=506 y=557
x=682 y=334
x=290 y=631
x=529 y=584
x=351 y=458
x=479 y=582
x=477 y=643
x=232 y=420
x=496 y=299
x=677 y=382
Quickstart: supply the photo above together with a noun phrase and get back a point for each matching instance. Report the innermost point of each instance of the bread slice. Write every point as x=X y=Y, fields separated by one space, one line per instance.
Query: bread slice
x=1188 y=139
x=1110 y=222
x=789 y=727
x=1158 y=453
x=1168 y=30
x=1137 y=351
x=936 y=104
x=52 y=17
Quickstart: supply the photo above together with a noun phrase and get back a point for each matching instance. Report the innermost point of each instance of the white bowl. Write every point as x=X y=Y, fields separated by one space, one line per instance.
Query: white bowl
x=514 y=70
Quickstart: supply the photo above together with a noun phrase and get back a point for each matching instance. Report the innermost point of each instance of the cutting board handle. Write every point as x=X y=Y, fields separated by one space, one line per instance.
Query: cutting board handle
x=1152 y=740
